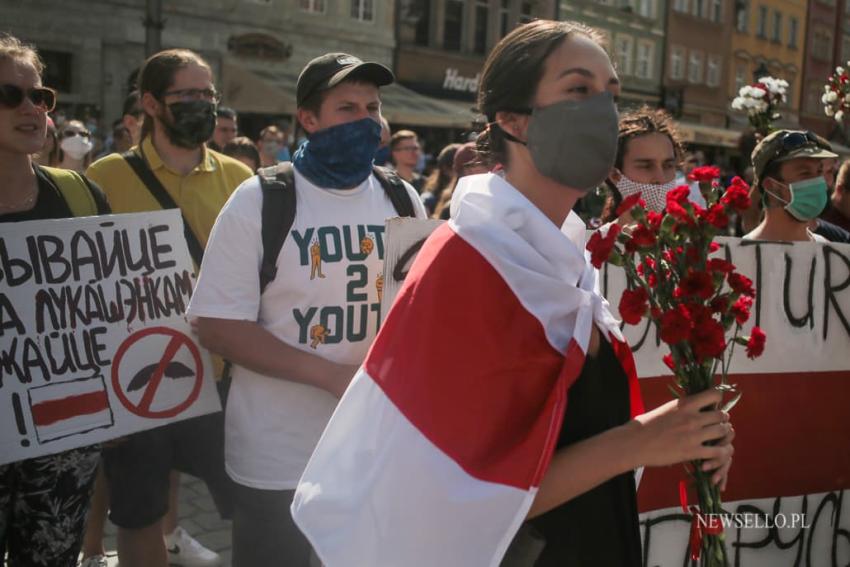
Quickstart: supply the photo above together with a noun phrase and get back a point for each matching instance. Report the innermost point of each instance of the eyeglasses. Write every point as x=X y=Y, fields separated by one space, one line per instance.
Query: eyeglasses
x=194 y=94
x=72 y=133
x=12 y=96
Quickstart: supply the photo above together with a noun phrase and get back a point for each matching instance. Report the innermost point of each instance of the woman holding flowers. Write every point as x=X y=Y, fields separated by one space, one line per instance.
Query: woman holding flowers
x=527 y=417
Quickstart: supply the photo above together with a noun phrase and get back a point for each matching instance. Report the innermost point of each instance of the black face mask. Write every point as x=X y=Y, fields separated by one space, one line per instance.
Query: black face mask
x=193 y=123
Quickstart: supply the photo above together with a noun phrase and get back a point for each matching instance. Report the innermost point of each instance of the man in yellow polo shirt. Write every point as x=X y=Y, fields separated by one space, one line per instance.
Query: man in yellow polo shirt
x=171 y=168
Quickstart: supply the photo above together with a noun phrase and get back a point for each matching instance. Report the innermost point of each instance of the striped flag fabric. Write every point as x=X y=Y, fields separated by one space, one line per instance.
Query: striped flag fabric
x=69 y=408
x=436 y=451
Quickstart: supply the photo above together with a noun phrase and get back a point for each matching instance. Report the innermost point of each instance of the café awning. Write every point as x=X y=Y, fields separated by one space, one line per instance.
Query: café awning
x=701 y=134
x=263 y=92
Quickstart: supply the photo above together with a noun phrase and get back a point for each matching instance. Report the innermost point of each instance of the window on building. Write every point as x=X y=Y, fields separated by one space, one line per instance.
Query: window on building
x=362 y=10
x=624 y=48
x=643 y=66
x=793 y=24
x=677 y=63
x=697 y=8
x=741 y=76
x=646 y=8
x=58 y=70
x=822 y=44
x=482 y=20
x=789 y=92
x=504 y=17
x=717 y=11
x=814 y=92
x=761 y=25
x=525 y=12
x=713 y=70
x=742 y=15
x=777 y=26
x=845 y=48
x=453 y=25
x=680 y=5
x=314 y=6
x=695 y=67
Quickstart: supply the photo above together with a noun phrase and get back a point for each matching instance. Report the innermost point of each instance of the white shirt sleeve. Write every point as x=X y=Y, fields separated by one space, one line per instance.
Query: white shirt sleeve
x=229 y=281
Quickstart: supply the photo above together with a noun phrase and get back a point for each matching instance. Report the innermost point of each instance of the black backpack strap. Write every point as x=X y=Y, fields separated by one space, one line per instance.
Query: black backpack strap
x=140 y=166
x=278 y=185
x=395 y=190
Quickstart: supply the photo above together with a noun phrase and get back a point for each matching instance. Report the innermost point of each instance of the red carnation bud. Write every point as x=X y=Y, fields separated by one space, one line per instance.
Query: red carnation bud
x=755 y=345
x=633 y=305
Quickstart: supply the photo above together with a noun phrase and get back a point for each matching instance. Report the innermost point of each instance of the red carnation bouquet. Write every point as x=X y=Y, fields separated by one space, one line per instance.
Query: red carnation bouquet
x=698 y=304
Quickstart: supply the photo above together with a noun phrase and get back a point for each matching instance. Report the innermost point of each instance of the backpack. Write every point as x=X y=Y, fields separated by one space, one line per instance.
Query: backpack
x=75 y=190
x=278 y=185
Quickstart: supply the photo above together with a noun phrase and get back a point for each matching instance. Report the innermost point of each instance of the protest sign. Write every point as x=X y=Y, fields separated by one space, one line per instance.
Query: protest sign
x=791 y=469
x=94 y=343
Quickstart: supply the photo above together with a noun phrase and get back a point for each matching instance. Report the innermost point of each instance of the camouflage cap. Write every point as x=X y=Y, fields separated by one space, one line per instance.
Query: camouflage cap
x=785 y=145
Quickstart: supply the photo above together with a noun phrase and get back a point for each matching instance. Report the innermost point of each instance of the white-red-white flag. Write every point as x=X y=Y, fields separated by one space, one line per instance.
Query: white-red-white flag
x=436 y=450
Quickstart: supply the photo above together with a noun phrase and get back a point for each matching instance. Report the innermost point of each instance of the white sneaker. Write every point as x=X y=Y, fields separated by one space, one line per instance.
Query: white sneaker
x=186 y=551
x=95 y=561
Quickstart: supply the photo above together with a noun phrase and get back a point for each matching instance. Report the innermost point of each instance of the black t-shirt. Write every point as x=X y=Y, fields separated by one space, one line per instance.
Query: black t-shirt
x=832 y=232
x=50 y=204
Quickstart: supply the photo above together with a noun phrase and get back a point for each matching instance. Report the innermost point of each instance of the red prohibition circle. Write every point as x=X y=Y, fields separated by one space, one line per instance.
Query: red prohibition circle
x=175 y=336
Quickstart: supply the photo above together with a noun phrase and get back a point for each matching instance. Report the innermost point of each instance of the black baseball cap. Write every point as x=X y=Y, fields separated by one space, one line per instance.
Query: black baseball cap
x=332 y=68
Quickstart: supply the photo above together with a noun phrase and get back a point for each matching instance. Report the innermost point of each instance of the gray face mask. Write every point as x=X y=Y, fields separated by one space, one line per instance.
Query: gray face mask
x=574 y=142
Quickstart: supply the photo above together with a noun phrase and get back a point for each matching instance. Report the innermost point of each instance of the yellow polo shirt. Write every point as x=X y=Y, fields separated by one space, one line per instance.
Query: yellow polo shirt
x=200 y=195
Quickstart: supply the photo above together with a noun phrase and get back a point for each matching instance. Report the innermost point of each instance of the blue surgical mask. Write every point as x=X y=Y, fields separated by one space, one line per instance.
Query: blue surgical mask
x=808 y=198
x=339 y=157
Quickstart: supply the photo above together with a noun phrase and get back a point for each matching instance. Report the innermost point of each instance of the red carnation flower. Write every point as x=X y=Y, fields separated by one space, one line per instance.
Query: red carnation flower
x=737 y=195
x=741 y=309
x=697 y=283
x=668 y=360
x=717 y=217
x=755 y=346
x=679 y=195
x=675 y=325
x=704 y=174
x=600 y=247
x=678 y=211
x=720 y=265
x=719 y=304
x=629 y=203
x=653 y=219
x=643 y=237
x=741 y=284
x=633 y=305
x=707 y=338
x=713 y=247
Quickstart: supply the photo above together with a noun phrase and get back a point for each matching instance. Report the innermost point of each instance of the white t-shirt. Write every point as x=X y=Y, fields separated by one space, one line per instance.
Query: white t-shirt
x=324 y=300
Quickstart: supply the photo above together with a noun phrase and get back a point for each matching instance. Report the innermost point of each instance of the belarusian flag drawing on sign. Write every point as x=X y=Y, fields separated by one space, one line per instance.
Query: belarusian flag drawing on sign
x=69 y=408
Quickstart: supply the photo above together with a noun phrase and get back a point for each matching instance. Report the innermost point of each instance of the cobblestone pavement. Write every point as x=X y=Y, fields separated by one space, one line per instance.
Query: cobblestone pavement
x=197 y=515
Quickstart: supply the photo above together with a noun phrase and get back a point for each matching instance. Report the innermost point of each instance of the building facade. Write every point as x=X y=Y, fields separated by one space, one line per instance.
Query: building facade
x=768 y=38
x=256 y=47
x=634 y=31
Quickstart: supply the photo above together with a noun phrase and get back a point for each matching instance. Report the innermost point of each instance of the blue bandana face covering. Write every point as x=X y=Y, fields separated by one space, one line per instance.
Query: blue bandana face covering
x=339 y=157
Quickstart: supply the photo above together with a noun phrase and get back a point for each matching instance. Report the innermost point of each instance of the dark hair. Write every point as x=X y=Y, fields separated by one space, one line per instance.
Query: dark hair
x=513 y=70
x=225 y=112
x=242 y=146
x=634 y=124
x=272 y=129
x=157 y=75
x=132 y=105
x=16 y=50
x=443 y=174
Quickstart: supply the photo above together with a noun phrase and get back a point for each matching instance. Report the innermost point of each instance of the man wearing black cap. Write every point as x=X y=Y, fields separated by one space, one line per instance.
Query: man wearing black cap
x=297 y=339
x=788 y=167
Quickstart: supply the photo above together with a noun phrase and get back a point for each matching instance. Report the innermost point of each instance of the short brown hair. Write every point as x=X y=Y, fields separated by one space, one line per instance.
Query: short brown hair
x=401 y=136
x=11 y=48
x=157 y=75
x=273 y=130
x=242 y=146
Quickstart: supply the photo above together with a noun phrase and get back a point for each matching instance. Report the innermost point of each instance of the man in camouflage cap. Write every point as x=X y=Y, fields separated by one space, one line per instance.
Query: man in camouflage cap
x=788 y=168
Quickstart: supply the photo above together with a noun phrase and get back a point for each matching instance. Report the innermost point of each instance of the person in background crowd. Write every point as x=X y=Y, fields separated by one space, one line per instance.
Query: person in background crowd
x=838 y=208
x=467 y=161
x=749 y=219
x=132 y=116
x=821 y=226
x=382 y=156
x=649 y=150
x=269 y=144
x=44 y=500
x=405 y=152
x=440 y=179
x=283 y=153
x=171 y=167
x=48 y=155
x=75 y=146
x=243 y=149
x=286 y=383
x=788 y=170
x=121 y=138
x=226 y=128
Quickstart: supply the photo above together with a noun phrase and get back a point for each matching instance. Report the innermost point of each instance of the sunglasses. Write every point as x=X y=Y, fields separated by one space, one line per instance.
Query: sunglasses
x=795 y=140
x=12 y=96
x=72 y=133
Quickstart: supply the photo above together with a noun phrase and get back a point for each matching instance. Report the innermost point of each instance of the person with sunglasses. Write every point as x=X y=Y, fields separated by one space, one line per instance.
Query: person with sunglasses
x=170 y=168
x=43 y=500
x=788 y=168
x=75 y=146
